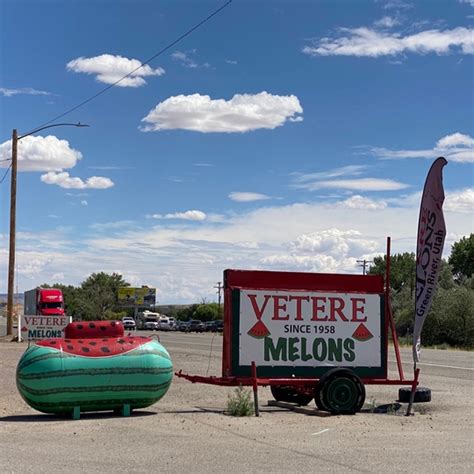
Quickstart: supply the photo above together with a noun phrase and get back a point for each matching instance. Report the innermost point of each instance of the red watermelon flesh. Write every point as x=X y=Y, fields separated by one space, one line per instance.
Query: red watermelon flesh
x=362 y=333
x=96 y=347
x=90 y=329
x=259 y=330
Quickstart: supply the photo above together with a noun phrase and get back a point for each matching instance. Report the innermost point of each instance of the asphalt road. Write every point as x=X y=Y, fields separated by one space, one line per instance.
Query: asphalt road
x=187 y=430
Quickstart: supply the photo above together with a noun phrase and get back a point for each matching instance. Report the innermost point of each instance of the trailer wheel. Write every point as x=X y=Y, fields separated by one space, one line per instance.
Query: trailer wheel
x=340 y=391
x=289 y=394
x=422 y=394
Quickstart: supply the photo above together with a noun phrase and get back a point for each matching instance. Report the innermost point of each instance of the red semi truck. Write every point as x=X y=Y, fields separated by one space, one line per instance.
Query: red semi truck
x=44 y=301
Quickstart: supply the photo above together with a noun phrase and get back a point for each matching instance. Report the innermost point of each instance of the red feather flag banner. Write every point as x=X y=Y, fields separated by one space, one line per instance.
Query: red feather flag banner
x=429 y=248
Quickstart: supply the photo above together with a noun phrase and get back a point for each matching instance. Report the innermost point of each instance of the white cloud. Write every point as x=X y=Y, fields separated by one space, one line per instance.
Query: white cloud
x=23 y=90
x=350 y=170
x=454 y=140
x=360 y=202
x=192 y=215
x=330 y=250
x=84 y=202
x=386 y=22
x=230 y=61
x=456 y=147
x=362 y=184
x=398 y=5
x=41 y=154
x=247 y=197
x=108 y=69
x=323 y=237
x=367 y=42
x=186 y=59
x=36 y=153
x=63 y=180
x=242 y=113
x=460 y=201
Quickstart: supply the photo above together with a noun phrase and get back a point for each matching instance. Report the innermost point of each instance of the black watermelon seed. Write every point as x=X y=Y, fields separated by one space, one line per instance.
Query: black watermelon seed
x=67 y=340
x=112 y=323
x=52 y=342
x=85 y=349
x=80 y=341
x=121 y=341
x=92 y=343
x=92 y=325
x=105 y=349
x=103 y=328
x=70 y=347
x=80 y=326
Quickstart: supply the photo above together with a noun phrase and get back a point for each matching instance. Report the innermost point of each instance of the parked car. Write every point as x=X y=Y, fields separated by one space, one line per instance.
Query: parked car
x=182 y=326
x=151 y=325
x=219 y=325
x=196 y=326
x=164 y=324
x=209 y=326
x=129 y=323
x=173 y=324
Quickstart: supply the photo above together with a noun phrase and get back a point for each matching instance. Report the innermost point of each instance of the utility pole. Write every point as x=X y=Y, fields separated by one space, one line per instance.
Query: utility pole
x=11 y=259
x=219 y=288
x=364 y=263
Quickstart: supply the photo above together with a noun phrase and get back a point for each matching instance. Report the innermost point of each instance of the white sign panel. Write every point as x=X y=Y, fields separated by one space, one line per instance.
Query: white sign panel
x=43 y=327
x=309 y=329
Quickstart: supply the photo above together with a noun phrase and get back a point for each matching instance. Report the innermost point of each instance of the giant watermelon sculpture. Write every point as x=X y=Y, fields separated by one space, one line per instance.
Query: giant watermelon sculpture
x=93 y=368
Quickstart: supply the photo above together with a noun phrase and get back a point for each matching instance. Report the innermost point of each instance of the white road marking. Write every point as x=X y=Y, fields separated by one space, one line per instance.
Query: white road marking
x=320 y=432
x=446 y=366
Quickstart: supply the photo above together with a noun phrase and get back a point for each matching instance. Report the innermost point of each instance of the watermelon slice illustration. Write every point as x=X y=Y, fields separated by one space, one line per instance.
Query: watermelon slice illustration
x=362 y=333
x=259 y=330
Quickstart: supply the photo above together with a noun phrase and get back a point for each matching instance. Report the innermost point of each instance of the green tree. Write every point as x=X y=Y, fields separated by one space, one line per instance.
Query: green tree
x=462 y=257
x=99 y=296
x=206 y=312
x=402 y=270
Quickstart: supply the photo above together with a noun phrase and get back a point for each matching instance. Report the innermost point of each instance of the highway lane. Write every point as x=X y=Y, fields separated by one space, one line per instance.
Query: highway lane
x=445 y=363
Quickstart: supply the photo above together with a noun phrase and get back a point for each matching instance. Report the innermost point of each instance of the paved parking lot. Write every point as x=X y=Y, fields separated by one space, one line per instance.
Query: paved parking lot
x=187 y=430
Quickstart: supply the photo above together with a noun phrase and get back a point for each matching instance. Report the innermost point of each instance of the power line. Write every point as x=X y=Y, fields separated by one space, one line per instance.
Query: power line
x=159 y=53
x=5 y=175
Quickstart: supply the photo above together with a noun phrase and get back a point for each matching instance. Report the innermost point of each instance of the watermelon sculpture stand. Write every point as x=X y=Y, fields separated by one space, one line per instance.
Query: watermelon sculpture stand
x=94 y=368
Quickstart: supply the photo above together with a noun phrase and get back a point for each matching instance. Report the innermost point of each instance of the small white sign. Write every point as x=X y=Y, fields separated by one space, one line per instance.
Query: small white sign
x=38 y=327
x=309 y=329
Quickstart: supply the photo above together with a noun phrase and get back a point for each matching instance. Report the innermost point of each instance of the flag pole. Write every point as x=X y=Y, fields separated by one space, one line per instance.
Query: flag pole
x=413 y=390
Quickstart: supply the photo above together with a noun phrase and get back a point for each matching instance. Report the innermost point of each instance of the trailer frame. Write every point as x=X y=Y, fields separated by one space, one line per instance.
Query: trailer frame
x=228 y=379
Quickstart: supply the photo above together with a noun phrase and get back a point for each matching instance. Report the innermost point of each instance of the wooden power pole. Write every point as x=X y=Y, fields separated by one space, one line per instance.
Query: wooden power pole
x=11 y=259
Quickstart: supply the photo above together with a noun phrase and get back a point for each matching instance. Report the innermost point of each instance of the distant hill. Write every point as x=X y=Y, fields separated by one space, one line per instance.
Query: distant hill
x=18 y=298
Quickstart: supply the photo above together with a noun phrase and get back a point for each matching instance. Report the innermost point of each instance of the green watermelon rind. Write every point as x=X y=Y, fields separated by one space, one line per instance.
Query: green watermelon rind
x=52 y=381
x=362 y=339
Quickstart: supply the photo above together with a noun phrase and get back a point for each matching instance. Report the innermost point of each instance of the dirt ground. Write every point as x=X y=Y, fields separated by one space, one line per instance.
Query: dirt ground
x=187 y=430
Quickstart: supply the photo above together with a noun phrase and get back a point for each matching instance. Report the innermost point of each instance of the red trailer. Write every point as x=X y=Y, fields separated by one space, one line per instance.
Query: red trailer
x=308 y=335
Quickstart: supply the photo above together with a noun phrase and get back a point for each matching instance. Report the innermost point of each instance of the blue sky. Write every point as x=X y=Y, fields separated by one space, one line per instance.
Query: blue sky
x=279 y=135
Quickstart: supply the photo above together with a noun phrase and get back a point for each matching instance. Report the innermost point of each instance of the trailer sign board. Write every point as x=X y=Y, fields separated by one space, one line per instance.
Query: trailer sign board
x=305 y=328
x=34 y=328
x=289 y=331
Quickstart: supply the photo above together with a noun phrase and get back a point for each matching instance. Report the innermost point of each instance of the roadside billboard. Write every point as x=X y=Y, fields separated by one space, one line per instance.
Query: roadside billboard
x=129 y=296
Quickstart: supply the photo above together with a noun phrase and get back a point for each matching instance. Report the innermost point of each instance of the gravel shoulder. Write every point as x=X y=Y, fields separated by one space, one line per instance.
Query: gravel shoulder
x=187 y=429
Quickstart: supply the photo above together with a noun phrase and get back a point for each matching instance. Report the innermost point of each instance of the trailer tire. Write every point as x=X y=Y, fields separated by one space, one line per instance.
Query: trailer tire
x=422 y=394
x=288 y=394
x=340 y=391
